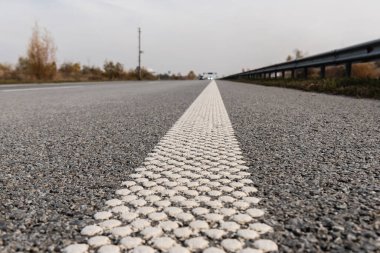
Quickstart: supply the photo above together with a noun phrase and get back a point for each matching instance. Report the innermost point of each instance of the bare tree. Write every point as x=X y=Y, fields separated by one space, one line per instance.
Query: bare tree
x=191 y=75
x=41 y=54
x=298 y=54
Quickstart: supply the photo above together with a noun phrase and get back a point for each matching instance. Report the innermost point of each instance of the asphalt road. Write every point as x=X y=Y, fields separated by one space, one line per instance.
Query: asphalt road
x=316 y=160
x=64 y=149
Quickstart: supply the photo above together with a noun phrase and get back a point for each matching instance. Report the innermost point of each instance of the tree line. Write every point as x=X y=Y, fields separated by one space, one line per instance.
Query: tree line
x=40 y=64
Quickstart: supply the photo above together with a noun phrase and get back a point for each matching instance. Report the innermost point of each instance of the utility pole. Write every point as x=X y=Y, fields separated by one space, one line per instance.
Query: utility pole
x=140 y=52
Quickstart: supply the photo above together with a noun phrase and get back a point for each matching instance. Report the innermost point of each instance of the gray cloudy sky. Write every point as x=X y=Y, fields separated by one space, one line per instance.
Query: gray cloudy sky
x=179 y=35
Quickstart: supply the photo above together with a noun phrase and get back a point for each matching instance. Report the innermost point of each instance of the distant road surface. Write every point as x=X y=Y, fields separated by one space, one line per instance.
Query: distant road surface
x=183 y=166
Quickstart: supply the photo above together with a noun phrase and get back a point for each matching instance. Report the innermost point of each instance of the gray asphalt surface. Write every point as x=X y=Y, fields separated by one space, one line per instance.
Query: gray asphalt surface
x=316 y=161
x=65 y=149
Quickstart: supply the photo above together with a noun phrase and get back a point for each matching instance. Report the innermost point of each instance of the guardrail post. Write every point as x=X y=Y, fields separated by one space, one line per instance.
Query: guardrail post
x=323 y=72
x=348 y=69
x=305 y=73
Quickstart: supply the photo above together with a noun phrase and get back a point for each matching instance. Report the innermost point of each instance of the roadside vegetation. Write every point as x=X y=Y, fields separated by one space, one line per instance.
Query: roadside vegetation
x=364 y=83
x=39 y=65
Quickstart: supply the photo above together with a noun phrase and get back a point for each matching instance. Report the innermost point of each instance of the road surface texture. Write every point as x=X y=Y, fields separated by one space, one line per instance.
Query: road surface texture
x=64 y=149
x=316 y=161
x=98 y=162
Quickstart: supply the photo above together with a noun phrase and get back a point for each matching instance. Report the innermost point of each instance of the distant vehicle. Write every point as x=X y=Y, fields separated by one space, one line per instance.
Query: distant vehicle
x=209 y=76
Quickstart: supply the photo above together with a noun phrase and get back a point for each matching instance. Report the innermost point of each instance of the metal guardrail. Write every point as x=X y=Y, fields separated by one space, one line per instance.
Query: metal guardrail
x=359 y=53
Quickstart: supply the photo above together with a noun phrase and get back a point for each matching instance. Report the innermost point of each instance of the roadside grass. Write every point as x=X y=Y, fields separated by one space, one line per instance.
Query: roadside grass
x=354 y=87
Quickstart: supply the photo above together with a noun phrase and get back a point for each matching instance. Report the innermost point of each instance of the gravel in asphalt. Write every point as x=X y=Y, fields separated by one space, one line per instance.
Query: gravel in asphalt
x=63 y=151
x=316 y=160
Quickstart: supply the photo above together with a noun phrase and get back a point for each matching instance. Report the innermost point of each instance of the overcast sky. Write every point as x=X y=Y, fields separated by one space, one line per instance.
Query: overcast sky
x=181 y=35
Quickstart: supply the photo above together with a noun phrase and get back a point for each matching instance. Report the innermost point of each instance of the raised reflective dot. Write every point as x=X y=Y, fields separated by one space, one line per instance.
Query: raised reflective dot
x=129 y=198
x=131 y=242
x=140 y=224
x=109 y=249
x=76 y=248
x=151 y=232
x=226 y=199
x=242 y=205
x=213 y=217
x=128 y=183
x=183 y=233
x=203 y=199
x=145 y=210
x=162 y=203
x=199 y=225
x=185 y=217
x=230 y=226
x=123 y=192
x=227 y=189
x=248 y=234
x=237 y=184
x=152 y=198
x=158 y=188
x=98 y=241
x=168 y=193
x=129 y=216
x=214 y=204
x=242 y=218
x=145 y=193
x=250 y=250
x=189 y=204
x=214 y=193
x=227 y=211
x=203 y=189
x=197 y=243
x=120 y=209
x=158 y=216
x=173 y=211
x=121 y=231
x=261 y=228
x=136 y=188
x=163 y=243
x=109 y=224
x=191 y=193
x=249 y=189
x=239 y=194
x=213 y=250
x=91 y=230
x=143 y=249
x=255 y=213
x=252 y=200
x=265 y=245
x=200 y=211
x=168 y=226
x=231 y=245
x=177 y=199
x=149 y=184
x=215 y=234
x=138 y=202
x=178 y=249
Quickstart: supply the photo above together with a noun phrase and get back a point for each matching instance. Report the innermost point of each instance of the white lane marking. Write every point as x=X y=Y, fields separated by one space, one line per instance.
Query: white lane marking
x=191 y=194
x=45 y=88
